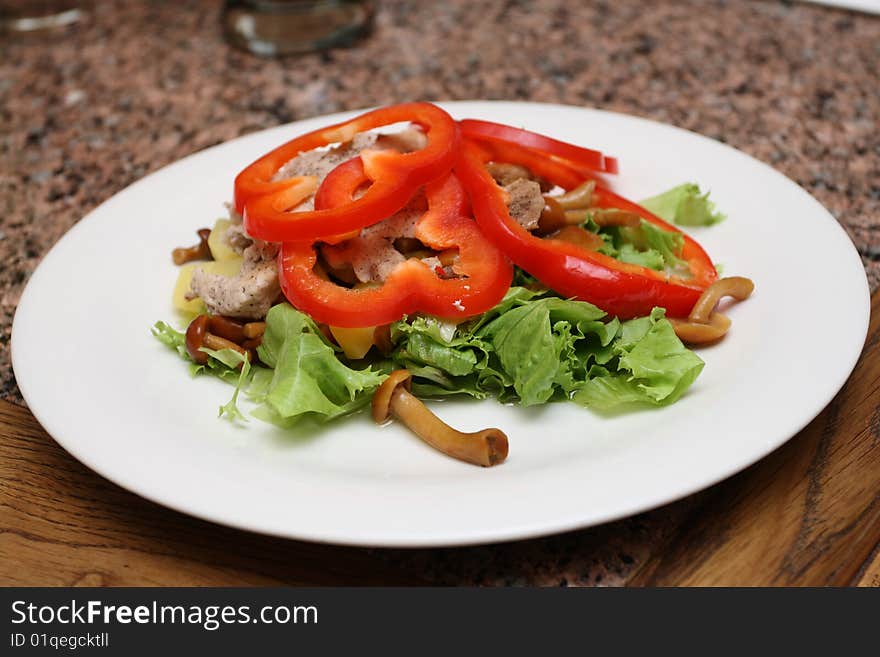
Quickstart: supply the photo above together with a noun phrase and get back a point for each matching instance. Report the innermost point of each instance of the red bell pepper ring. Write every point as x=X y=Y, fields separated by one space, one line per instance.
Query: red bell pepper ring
x=412 y=287
x=577 y=157
x=266 y=204
x=618 y=288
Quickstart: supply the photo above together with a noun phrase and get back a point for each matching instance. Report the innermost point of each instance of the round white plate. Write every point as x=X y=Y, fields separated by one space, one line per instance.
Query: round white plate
x=123 y=404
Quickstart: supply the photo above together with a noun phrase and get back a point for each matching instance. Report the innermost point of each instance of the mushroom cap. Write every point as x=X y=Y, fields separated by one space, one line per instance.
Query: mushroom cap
x=195 y=339
x=382 y=397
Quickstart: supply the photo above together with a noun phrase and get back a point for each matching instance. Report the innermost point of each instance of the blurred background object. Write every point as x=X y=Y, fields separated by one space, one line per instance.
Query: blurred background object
x=283 y=27
x=31 y=15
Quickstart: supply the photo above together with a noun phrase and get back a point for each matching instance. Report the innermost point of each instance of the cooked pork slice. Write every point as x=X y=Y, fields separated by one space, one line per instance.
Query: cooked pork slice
x=234 y=215
x=371 y=254
x=405 y=141
x=248 y=295
x=236 y=238
x=322 y=161
x=525 y=202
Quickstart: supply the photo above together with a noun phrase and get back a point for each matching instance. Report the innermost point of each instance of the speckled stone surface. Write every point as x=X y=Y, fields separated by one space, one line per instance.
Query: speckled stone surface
x=87 y=111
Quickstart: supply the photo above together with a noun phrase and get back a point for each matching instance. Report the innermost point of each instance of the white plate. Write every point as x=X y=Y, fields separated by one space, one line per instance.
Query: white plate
x=123 y=404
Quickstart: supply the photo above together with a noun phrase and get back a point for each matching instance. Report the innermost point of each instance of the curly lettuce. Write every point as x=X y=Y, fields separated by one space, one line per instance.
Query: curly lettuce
x=684 y=205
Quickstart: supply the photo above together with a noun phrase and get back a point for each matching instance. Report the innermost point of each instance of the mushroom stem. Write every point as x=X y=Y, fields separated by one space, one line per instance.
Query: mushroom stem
x=486 y=447
x=217 y=343
x=226 y=328
x=392 y=398
x=737 y=287
x=691 y=332
x=579 y=197
x=254 y=330
x=608 y=217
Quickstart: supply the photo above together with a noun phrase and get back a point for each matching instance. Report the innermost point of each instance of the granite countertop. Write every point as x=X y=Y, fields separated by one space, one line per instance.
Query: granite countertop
x=86 y=111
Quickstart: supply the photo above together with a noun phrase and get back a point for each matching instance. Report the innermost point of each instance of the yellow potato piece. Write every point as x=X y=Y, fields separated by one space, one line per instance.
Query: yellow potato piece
x=217 y=242
x=355 y=342
x=229 y=267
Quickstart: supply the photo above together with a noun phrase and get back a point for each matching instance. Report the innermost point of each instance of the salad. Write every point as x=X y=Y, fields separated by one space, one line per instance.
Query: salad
x=367 y=265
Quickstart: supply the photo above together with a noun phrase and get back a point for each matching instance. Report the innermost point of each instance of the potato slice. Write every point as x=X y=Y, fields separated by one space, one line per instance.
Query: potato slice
x=228 y=267
x=220 y=249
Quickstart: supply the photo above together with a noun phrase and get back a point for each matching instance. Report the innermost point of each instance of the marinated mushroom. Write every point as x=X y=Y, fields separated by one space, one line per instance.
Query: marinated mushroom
x=605 y=217
x=578 y=198
x=737 y=287
x=226 y=328
x=254 y=330
x=552 y=218
x=393 y=399
x=200 y=251
x=701 y=333
x=198 y=335
x=704 y=325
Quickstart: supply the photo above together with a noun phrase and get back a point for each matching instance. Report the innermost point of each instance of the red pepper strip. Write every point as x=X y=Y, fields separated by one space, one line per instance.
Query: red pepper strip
x=485 y=274
x=556 y=172
x=618 y=288
x=702 y=270
x=579 y=157
x=340 y=185
x=266 y=205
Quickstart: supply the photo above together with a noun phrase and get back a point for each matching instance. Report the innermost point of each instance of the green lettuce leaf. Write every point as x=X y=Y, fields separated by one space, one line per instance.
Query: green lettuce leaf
x=649 y=258
x=533 y=348
x=309 y=377
x=232 y=359
x=646 y=245
x=665 y=242
x=304 y=377
x=684 y=205
x=652 y=367
x=170 y=337
x=223 y=363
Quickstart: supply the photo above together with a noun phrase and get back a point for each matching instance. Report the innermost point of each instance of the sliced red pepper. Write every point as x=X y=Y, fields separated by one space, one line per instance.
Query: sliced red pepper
x=577 y=157
x=620 y=289
x=266 y=204
x=412 y=287
x=539 y=164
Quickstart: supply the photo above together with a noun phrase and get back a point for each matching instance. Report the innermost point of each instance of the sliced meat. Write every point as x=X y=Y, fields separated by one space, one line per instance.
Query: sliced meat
x=235 y=236
x=234 y=215
x=237 y=239
x=248 y=295
x=525 y=202
x=371 y=254
x=320 y=162
x=405 y=141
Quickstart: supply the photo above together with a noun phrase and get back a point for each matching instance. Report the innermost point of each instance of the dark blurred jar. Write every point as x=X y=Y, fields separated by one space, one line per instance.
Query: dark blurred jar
x=283 y=27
